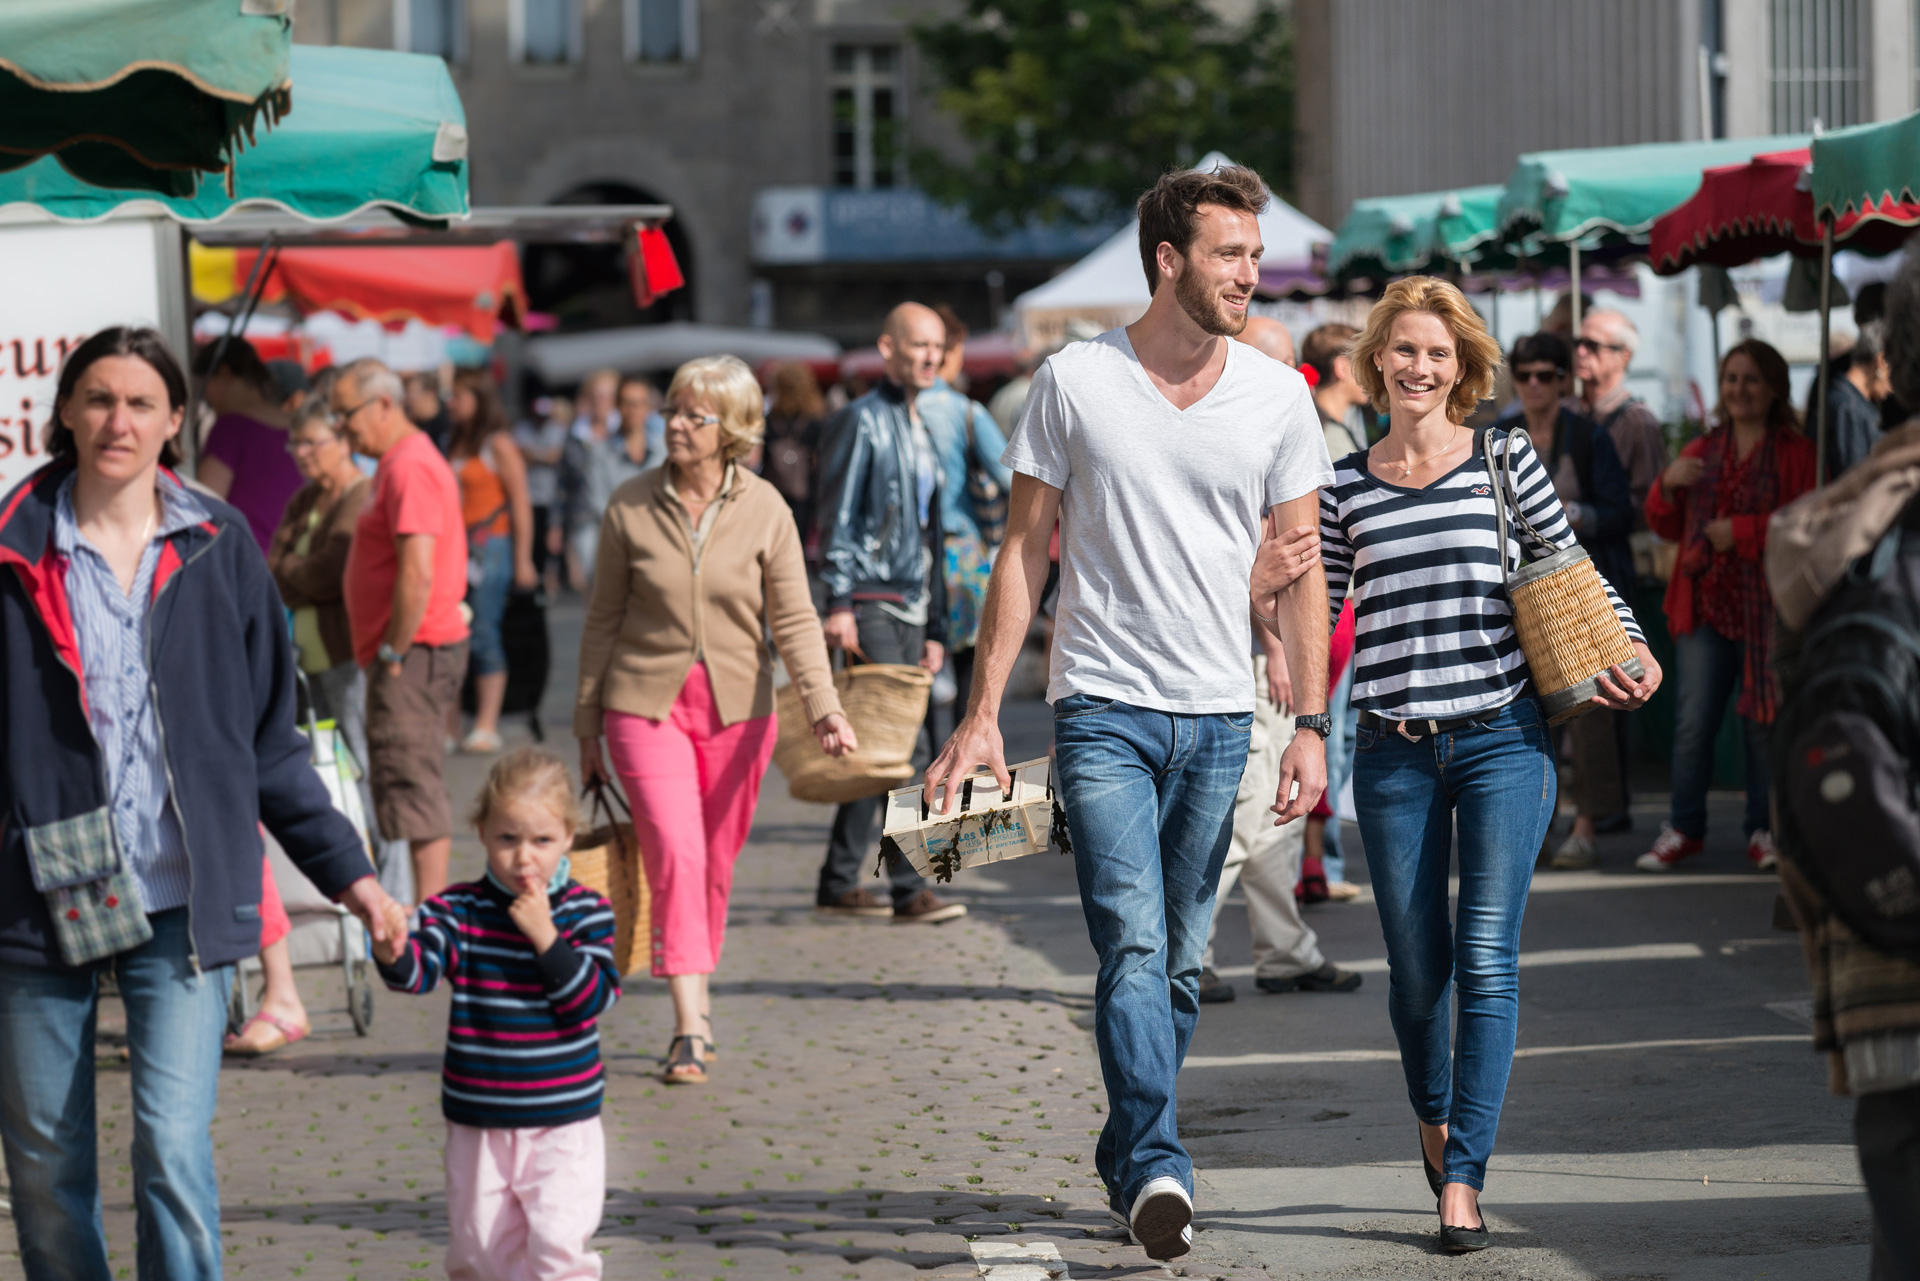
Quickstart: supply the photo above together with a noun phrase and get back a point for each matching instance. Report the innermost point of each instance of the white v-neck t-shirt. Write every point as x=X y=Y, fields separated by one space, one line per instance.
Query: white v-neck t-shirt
x=1160 y=517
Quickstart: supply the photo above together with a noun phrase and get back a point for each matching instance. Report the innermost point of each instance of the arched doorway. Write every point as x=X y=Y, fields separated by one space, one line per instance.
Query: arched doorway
x=586 y=286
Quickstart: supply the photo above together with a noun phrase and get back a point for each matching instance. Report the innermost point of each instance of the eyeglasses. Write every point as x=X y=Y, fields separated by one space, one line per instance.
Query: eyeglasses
x=697 y=420
x=346 y=415
x=1594 y=344
x=1524 y=376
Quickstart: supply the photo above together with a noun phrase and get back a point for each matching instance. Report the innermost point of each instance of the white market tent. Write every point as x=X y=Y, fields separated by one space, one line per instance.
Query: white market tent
x=1108 y=287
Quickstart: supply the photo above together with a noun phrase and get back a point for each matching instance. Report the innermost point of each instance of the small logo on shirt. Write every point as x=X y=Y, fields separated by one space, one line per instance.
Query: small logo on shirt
x=1481 y=491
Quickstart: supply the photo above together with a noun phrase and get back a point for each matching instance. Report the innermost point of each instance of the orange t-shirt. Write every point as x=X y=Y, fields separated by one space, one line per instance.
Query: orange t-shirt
x=414 y=492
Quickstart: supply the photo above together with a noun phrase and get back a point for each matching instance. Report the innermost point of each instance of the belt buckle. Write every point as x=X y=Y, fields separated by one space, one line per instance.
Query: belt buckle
x=1402 y=727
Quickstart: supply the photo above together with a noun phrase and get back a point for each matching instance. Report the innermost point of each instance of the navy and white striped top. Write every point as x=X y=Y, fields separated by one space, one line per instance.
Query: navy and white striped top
x=1433 y=632
x=523 y=1037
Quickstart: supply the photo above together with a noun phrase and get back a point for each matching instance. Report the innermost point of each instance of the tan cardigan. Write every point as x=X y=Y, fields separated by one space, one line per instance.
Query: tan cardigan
x=653 y=607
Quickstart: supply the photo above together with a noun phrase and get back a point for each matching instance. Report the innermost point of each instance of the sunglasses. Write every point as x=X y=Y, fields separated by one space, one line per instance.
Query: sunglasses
x=1523 y=376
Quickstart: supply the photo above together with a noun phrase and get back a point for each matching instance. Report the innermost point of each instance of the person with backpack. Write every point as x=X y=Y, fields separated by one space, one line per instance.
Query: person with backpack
x=1715 y=500
x=1844 y=567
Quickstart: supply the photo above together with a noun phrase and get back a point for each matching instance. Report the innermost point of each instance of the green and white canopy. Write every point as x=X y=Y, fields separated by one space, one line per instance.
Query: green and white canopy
x=373 y=129
x=141 y=94
x=1388 y=236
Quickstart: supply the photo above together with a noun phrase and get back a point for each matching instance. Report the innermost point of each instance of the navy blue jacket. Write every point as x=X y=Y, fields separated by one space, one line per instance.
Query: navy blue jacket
x=222 y=675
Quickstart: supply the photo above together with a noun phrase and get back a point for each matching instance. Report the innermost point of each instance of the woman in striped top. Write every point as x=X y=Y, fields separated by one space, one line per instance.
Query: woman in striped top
x=529 y=955
x=1450 y=731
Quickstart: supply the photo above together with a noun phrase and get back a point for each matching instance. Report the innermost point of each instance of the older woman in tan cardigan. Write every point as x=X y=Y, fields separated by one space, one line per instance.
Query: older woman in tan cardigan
x=697 y=560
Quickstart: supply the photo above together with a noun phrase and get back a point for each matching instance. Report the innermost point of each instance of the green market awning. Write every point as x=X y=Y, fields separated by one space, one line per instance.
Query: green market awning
x=140 y=94
x=1386 y=236
x=1610 y=196
x=1871 y=170
x=373 y=129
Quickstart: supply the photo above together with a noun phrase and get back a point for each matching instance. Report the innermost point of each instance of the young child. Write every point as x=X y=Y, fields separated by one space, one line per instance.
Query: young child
x=529 y=955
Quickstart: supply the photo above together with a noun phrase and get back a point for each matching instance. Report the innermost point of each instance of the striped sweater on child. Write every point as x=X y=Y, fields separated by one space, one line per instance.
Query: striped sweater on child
x=523 y=1039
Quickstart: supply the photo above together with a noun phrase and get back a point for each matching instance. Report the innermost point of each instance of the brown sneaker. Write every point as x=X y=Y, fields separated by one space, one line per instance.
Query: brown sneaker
x=927 y=908
x=857 y=903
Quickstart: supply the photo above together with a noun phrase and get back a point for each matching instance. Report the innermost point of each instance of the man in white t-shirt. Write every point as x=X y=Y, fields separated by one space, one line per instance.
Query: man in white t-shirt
x=1171 y=457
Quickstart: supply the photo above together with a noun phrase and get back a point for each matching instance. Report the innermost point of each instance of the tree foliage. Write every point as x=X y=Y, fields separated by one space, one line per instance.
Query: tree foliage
x=1072 y=107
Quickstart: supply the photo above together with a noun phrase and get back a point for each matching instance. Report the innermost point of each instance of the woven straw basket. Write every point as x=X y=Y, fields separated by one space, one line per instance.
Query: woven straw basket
x=886 y=703
x=606 y=859
x=1567 y=628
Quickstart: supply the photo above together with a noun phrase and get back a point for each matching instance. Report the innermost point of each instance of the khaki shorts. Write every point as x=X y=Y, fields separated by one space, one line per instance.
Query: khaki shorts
x=406 y=741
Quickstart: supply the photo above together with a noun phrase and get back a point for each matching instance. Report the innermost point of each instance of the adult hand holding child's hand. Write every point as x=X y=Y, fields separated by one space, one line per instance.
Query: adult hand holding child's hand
x=389 y=943
x=533 y=915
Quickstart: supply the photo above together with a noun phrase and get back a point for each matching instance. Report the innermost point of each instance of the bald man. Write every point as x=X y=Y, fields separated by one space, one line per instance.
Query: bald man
x=1265 y=334
x=885 y=601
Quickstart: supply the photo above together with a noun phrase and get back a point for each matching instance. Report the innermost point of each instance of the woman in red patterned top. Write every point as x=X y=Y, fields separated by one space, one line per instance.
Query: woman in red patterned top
x=1715 y=501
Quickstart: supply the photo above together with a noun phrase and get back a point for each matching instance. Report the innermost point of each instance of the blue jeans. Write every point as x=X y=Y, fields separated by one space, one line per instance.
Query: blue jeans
x=1708 y=672
x=1333 y=860
x=487 y=598
x=1495 y=781
x=1149 y=801
x=175 y=1021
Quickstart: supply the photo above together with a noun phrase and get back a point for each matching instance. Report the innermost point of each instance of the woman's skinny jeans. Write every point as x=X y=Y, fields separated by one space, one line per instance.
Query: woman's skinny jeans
x=1495 y=782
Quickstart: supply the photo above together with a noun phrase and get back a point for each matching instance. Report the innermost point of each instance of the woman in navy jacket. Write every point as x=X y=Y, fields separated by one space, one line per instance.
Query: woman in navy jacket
x=147 y=708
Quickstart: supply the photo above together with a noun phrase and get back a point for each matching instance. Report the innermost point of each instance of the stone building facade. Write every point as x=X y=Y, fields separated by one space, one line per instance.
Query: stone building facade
x=730 y=111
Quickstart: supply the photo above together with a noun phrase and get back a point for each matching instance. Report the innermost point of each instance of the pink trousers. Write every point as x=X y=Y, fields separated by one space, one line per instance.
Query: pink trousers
x=523 y=1205
x=693 y=784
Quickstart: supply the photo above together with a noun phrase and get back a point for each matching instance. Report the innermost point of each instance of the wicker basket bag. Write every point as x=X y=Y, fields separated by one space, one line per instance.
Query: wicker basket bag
x=606 y=859
x=1567 y=628
x=885 y=703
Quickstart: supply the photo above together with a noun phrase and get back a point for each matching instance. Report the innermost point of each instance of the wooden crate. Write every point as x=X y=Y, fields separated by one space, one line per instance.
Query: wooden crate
x=986 y=825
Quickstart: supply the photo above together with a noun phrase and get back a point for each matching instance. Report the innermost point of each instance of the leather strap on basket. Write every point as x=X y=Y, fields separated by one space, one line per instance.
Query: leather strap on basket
x=1501 y=474
x=600 y=806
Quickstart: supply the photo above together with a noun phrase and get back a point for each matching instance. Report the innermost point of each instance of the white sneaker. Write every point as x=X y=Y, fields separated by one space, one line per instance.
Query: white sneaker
x=1761 y=852
x=1162 y=1219
x=1575 y=854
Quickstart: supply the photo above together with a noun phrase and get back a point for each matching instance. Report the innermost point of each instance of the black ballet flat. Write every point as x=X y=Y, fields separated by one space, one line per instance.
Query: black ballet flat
x=1465 y=1240
x=1433 y=1175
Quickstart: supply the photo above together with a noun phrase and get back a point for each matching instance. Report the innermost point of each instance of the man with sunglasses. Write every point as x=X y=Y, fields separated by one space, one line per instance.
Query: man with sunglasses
x=1605 y=348
x=1593 y=487
x=406 y=576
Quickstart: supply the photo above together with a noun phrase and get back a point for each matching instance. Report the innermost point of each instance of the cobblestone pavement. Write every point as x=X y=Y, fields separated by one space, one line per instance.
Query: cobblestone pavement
x=921 y=1101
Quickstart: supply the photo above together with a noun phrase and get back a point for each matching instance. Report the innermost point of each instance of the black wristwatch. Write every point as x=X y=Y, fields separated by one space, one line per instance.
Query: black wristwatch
x=1321 y=724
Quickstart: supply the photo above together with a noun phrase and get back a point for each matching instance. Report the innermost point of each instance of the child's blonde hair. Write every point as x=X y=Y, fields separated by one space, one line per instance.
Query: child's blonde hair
x=528 y=771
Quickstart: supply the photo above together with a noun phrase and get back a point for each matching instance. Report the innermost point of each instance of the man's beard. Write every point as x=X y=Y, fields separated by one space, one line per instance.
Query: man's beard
x=1203 y=308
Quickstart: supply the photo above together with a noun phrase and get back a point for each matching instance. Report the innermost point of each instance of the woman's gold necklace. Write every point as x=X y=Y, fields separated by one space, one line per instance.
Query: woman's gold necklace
x=1406 y=465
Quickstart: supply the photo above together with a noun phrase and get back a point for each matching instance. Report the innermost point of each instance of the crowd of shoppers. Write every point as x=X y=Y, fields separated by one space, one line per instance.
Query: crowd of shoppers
x=1201 y=738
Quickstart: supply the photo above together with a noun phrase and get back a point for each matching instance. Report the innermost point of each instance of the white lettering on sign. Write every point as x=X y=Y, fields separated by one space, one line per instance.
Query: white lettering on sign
x=62 y=284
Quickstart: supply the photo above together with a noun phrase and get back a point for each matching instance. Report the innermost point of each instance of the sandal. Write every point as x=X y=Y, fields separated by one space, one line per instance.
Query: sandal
x=713 y=1050
x=681 y=1054
x=481 y=742
x=290 y=1033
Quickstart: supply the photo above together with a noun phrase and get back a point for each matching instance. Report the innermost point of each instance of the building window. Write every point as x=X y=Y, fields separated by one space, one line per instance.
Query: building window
x=545 y=32
x=867 y=124
x=662 y=30
x=1816 y=71
x=438 y=27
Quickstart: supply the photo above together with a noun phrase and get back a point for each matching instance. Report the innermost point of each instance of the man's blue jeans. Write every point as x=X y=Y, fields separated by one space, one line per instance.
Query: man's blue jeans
x=1149 y=801
x=1707 y=674
x=1495 y=782
x=175 y=1021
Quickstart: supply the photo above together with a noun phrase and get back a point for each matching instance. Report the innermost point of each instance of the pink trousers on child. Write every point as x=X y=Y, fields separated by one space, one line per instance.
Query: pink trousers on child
x=693 y=784
x=523 y=1205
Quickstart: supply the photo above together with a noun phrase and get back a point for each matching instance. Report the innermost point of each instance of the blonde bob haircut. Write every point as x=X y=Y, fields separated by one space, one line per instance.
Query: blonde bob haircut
x=726 y=383
x=1478 y=353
